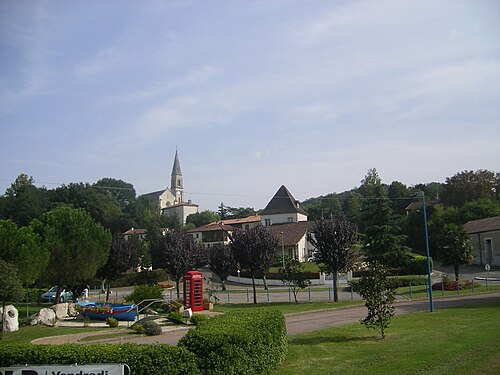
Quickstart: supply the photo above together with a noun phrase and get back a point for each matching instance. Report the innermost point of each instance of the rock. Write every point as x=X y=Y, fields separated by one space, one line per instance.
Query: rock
x=61 y=310
x=45 y=317
x=72 y=310
x=11 y=316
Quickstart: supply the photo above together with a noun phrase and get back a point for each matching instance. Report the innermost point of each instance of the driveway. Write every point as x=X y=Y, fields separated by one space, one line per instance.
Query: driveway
x=295 y=323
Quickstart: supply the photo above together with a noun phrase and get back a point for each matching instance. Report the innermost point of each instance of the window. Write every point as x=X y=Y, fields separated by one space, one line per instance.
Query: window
x=290 y=219
x=267 y=222
x=247 y=226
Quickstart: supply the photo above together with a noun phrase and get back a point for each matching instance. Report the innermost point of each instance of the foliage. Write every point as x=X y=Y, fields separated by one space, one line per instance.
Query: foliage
x=78 y=245
x=178 y=253
x=399 y=281
x=143 y=292
x=112 y=322
x=254 y=250
x=378 y=293
x=295 y=277
x=10 y=286
x=322 y=207
x=176 y=317
x=122 y=191
x=197 y=319
x=137 y=328
x=22 y=248
x=240 y=342
x=221 y=262
x=202 y=218
x=333 y=240
x=142 y=359
x=416 y=264
x=151 y=328
x=468 y=186
x=456 y=248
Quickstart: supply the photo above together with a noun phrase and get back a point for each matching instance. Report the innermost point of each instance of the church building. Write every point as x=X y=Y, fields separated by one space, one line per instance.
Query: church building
x=171 y=200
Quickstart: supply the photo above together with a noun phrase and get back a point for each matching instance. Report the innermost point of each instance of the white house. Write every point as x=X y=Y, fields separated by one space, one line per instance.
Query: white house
x=282 y=208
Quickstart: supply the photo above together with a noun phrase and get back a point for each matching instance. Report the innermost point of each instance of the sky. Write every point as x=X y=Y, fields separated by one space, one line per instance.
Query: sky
x=254 y=94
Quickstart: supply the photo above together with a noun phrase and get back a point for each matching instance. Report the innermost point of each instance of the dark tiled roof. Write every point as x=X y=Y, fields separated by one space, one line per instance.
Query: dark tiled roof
x=282 y=203
x=154 y=194
x=292 y=232
x=483 y=225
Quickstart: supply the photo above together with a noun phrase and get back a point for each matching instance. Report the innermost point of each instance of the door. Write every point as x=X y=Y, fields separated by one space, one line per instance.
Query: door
x=488 y=248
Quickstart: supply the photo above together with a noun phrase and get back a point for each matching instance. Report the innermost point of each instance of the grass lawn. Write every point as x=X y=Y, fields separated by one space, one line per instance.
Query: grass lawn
x=287 y=307
x=420 y=291
x=462 y=340
x=26 y=334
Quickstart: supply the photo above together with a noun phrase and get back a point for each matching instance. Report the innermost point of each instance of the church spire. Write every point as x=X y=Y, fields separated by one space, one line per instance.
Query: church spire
x=176 y=179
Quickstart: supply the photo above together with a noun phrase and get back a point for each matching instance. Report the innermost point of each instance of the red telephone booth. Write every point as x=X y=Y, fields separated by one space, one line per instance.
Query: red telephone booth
x=193 y=290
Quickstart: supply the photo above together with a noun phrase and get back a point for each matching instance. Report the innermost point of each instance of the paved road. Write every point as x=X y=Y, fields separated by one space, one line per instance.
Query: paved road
x=300 y=322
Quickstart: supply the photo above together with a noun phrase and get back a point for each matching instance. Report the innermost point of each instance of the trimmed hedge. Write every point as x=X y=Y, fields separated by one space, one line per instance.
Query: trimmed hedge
x=142 y=359
x=399 y=281
x=240 y=342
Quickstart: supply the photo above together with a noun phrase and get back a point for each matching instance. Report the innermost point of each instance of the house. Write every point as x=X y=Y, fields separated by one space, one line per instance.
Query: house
x=485 y=236
x=245 y=223
x=171 y=200
x=282 y=208
x=213 y=233
x=294 y=240
x=141 y=233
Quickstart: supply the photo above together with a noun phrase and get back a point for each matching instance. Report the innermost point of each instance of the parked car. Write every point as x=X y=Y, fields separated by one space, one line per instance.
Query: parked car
x=50 y=295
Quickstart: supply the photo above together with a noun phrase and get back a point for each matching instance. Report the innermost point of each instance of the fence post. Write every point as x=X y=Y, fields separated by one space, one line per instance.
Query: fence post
x=329 y=295
x=228 y=296
x=410 y=291
x=309 y=294
x=289 y=295
x=472 y=286
x=458 y=287
x=442 y=288
x=267 y=292
x=486 y=284
x=248 y=296
x=352 y=293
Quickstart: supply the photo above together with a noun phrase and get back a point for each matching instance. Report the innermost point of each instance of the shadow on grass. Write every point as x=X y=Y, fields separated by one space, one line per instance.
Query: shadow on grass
x=318 y=340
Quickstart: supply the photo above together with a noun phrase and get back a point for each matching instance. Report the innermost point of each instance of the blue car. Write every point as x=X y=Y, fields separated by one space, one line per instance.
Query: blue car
x=49 y=296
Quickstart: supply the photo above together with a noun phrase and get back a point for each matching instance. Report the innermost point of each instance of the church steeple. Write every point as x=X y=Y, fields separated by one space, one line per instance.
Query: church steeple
x=176 y=186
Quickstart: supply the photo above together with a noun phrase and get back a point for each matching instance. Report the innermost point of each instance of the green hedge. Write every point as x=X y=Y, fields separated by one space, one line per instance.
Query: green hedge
x=142 y=359
x=416 y=264
x=400 y=281
x=240 y=342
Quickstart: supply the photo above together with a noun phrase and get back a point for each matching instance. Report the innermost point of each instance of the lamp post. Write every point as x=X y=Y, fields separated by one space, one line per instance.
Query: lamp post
x=429 y=278
x=282 y=249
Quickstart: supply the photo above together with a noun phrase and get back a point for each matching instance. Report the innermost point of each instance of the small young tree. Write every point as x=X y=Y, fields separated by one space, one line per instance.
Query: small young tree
x=221 y=262
x=295 y=277
x=10 y=285
x=333 y=240
x=254 y=250
x=456 y=248
x=378 y=293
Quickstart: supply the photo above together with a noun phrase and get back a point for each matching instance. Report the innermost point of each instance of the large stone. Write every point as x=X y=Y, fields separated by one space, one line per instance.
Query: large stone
x=61 y=310
x=72 y=310
x=45 y=317
x=11 y=322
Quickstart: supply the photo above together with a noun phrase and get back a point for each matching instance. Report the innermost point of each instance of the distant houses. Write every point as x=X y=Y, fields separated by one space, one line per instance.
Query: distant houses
x=485 y=236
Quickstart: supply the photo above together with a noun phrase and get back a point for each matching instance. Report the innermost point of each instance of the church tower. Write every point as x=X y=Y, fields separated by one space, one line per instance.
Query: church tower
x=176 y=186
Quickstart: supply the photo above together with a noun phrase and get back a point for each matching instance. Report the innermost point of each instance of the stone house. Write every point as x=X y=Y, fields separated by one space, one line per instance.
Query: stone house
x=485 y=236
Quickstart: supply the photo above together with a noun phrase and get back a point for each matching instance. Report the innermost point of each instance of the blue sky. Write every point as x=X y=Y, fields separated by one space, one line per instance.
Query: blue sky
x=254 y=94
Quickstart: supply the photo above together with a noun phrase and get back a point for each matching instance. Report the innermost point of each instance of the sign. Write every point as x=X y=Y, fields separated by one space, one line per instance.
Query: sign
x=487 y=267
x=75 y=369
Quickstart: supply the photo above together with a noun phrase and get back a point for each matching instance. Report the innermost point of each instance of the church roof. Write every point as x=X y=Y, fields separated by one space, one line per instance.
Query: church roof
x=176 y=169
x=283 y=202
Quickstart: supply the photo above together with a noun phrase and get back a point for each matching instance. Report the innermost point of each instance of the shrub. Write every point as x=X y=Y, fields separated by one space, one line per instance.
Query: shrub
x=151 y=328
x=196 y=319
x=239 y=342
x=138 y=328
x=416 y=264
x=176 y=317
x=112 y=322
x=142 y=359
x=142 y=292
x=399 y=281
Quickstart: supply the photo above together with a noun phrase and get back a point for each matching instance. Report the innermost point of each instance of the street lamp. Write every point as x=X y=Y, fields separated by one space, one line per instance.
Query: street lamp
x=429 y=278
x=283 y=249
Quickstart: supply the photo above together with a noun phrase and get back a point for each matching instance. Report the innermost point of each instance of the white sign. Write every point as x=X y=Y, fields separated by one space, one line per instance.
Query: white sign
x=487 y=267
x=99 y=369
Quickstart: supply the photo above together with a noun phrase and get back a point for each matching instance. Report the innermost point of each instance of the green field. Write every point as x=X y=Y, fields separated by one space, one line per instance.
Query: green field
x=462 y=340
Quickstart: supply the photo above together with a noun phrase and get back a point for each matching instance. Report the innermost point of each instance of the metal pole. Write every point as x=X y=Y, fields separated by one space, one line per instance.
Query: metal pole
x=429 y=278
x=283 y=249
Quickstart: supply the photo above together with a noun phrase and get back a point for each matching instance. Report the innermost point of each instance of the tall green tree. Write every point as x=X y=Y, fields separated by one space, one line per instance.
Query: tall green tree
x=202 y=218
x=177 y=253
x=455 y=248
x=22 y=248
x=78 y=245
x=334 y=240
x=294 y=275
x=379 y=294
x=122 y=191
x=254 y=250
x=467 y=186
x=10 y=285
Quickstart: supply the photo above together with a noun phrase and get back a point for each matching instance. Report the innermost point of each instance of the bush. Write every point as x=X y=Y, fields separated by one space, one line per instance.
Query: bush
x=137 y=328
x=151 y=328
x=142 y=359
x=112 y=322
x=416 y=264
x=176 y=317
x=196 y=319
x=138 y=278
x=239 y=342
x=142 y=292
x=399 y=281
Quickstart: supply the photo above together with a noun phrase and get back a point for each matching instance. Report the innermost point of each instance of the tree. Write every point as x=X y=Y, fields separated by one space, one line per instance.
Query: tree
x=122 y=191
x=22 y=248
x=333 y=240
x=122 y=257
x=10 y=285
x=468 y=186
x=78 y=245
x=378 y=293
x=254 y=250
x=177 y=253
x=456 y=248
x=221 y=262
x=200 y=219
x=295 y=277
